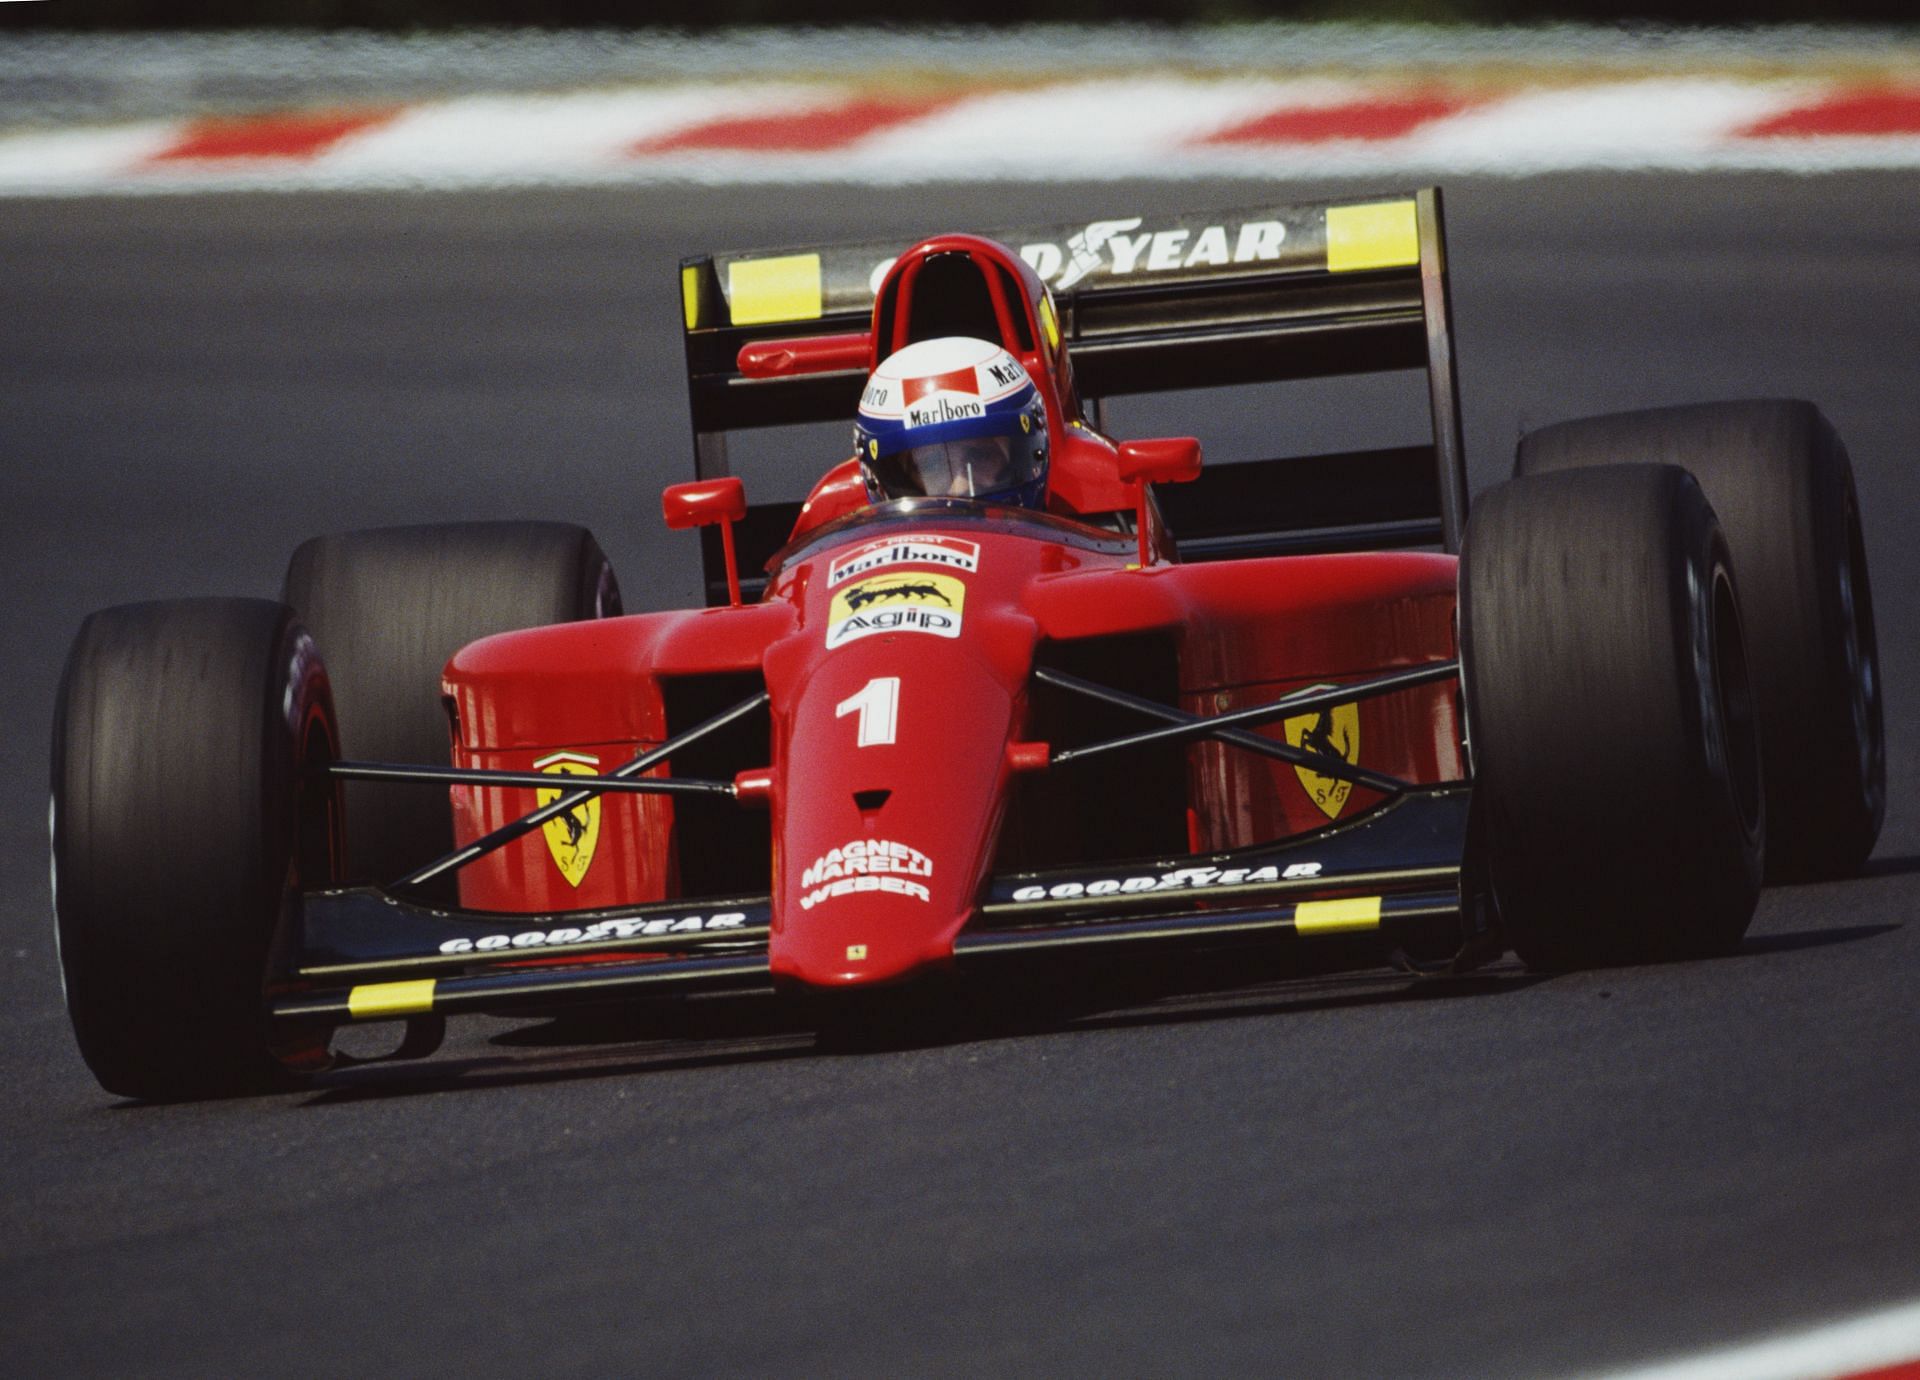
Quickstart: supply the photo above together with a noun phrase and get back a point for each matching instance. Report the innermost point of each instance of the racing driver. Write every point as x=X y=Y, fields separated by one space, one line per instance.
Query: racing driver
x=955 y=418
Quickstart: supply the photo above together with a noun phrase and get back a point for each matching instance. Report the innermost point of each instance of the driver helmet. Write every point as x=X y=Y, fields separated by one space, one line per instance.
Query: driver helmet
x=953 y=418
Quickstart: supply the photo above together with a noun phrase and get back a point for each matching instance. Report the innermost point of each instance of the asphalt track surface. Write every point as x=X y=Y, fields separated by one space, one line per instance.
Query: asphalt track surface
x=1344 y=1177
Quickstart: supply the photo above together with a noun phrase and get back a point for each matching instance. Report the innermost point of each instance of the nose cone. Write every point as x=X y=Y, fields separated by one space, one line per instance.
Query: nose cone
x=885 y=823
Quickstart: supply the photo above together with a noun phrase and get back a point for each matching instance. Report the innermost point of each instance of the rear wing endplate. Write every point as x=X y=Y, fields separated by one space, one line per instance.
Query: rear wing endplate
x=1148 y=304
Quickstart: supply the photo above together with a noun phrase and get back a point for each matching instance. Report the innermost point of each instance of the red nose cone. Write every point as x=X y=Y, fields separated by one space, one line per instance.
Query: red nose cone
x=882 y=847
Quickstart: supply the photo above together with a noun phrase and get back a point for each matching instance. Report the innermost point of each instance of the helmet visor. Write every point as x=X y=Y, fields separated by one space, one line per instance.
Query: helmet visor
x=964 y=467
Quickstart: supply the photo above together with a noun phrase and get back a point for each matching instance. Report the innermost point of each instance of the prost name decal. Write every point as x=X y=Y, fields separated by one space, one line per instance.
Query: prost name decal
x=598 y=931
x=866 y=865
x=1180 y=879
x=908 y=602
x=951 y=552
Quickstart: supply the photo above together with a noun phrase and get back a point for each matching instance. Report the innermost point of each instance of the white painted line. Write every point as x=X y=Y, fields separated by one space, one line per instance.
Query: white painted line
x=1872 y=1341
x=1604 y=125
x=481 y=138
x=79 y=159
x=1127 y=125
x=1095 y=130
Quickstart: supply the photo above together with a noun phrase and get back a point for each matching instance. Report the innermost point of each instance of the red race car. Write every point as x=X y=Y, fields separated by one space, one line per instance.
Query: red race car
x=1001 y=696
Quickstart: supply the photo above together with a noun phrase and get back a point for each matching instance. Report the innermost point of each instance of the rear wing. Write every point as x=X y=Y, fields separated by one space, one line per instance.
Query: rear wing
x=1147 y=304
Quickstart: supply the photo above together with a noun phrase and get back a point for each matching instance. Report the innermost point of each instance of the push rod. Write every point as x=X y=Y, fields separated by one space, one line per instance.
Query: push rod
x=1183 y=726
x=480 y=776
x=527 y=823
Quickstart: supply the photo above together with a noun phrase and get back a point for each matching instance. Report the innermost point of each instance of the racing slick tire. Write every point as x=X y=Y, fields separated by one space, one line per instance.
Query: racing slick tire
x=1779 y=478
x=1610 y=718
x=387 y=608
x=183 y=819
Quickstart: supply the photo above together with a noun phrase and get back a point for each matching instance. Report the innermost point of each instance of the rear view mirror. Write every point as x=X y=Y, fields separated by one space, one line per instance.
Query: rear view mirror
x=703 y=503
x=1172 y=460
x=1169 y=460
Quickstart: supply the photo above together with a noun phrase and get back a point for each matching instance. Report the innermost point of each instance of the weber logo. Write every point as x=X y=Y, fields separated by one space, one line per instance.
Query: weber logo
x=952 y=553
x=866 y=865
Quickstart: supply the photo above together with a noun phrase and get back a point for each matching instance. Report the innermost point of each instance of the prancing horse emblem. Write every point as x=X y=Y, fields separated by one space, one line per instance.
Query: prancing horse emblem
x=859 y=598
x=1332 y=733
x=572 y=834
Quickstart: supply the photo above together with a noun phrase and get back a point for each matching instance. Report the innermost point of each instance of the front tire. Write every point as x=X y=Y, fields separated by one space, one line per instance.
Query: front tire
x=183 y=820
x=1610 y=718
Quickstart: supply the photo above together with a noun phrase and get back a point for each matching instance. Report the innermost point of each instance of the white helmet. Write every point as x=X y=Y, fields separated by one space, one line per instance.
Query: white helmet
x=953 y=417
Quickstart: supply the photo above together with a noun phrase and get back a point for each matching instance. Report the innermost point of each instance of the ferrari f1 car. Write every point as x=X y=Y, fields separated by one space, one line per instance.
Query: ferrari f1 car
x=929 y=742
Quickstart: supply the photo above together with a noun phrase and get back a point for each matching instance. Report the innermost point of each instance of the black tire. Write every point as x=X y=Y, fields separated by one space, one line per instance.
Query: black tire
x=182 y=823
x=1610 y=718
x=387 y=608
x=1779 y=478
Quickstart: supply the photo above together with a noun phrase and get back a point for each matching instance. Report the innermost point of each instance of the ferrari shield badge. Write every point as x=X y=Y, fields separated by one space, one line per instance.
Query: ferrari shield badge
x=571 y=834
x=1333 y=732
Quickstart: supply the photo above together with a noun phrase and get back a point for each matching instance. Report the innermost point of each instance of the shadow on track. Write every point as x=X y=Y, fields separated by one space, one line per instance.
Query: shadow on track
x=616 y=1042
x=1757 y=944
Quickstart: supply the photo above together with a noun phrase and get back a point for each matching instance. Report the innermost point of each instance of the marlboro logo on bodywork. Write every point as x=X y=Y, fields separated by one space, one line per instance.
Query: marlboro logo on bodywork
x=572 y=834
x=951 y=553
x=912 y=601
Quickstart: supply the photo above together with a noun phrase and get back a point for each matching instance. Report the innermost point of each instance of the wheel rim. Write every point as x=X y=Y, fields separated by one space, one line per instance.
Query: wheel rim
x=1739 y=730
x=1860 y=650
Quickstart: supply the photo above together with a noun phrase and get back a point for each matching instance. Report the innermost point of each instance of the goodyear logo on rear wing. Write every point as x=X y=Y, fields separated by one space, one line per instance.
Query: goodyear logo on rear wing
x=1138 y=248
x=913 y=601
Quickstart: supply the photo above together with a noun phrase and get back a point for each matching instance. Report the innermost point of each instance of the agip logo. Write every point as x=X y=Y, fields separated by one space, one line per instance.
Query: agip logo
x=572 y=834
x=909 y=602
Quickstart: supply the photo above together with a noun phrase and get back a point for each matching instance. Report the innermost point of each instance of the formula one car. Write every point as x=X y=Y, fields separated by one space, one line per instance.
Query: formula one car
x=925 y=743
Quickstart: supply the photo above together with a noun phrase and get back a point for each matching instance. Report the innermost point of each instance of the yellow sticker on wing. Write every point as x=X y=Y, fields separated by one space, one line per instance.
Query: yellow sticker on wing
x=1385 y=234
x=784 y=289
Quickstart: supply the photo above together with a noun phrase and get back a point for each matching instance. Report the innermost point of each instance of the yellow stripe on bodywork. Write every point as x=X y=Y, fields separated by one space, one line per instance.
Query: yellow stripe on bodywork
x=761 y=290
x=1385 y=234
x=690 y=296
x=378 y=999
x=1333 y=917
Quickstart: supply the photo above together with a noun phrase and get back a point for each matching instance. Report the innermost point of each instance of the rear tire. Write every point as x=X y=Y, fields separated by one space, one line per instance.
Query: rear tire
x=388 y=608
x=182 y=824
x=1779 y=478
x=1610 y=718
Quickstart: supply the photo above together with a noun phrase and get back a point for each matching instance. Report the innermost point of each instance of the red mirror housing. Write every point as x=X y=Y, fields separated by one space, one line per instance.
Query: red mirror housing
x=703 y=503
x=1172 y=460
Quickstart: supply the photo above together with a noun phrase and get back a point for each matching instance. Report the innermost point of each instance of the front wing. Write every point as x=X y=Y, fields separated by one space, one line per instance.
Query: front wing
x=362 y=955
